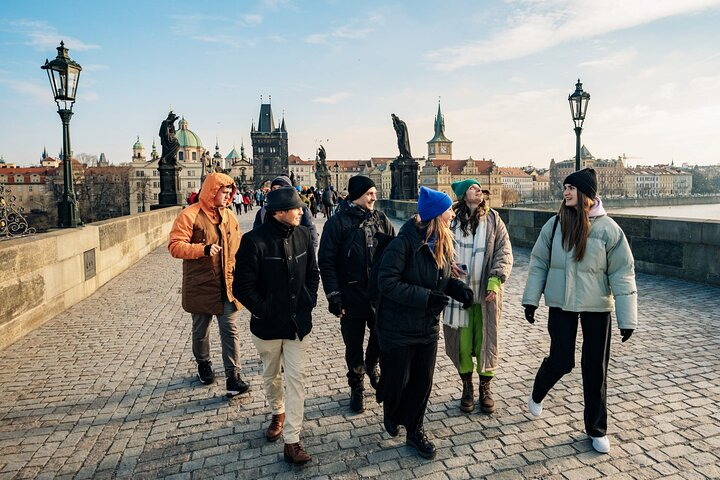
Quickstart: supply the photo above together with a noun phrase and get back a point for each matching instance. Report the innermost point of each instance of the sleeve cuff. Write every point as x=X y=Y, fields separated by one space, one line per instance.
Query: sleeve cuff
x=494 y=284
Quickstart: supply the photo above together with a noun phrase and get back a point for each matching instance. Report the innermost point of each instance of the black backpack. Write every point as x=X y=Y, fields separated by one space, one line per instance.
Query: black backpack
x=373 y=290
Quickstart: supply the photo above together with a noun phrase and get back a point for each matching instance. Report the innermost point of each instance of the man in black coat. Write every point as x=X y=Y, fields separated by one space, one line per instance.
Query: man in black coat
x=346 y=250
x=277 y=278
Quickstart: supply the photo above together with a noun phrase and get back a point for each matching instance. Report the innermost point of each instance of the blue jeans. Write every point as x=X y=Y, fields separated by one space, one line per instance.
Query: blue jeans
x=227 y=323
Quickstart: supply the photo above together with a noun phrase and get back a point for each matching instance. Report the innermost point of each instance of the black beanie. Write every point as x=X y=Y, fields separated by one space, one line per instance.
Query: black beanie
x=357 y=186
x=584 y=180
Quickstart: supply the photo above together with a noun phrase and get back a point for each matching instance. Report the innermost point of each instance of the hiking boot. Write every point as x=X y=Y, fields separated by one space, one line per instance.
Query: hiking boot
x=373 y=374
x=296 y=454
x=467 y=402
x=357 y=399
x=236 y=385
x=420 y=442
x=205 y=373
x=276 y=427
x=487 y=404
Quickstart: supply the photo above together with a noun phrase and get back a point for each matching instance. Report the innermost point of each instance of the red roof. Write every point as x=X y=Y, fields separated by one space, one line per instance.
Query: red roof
x=456 y=166
x=27 y=173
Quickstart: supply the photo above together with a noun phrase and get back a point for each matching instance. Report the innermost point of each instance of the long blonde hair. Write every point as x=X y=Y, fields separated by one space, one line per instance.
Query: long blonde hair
x=444 y=251
x=575 y=225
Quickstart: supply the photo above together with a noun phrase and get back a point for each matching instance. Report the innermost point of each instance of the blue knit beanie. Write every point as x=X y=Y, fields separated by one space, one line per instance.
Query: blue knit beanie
x=432 y=203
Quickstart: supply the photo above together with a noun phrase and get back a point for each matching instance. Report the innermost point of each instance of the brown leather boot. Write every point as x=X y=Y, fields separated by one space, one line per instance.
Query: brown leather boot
x=295 y=453
x=467 y=402
x=276 y=426
x=487 y=404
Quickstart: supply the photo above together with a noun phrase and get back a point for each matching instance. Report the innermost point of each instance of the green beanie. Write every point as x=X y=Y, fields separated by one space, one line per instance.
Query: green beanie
x=460 y=187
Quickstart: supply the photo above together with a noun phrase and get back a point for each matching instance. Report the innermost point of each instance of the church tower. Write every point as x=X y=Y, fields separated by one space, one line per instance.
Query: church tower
x=270 y=147
x=439 y=147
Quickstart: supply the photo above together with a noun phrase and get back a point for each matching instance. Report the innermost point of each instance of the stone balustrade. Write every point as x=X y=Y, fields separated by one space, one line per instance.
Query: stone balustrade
x=42 y=275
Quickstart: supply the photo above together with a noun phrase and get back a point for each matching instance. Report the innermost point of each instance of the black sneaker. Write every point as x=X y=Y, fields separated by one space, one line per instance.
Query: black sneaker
x=357 y=400
x=205 y=373
x=420 y=442
x=236 y=385
x=391 y=427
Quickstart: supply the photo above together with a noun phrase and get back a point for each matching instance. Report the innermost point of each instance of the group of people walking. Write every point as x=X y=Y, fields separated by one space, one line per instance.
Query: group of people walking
x=447 y=265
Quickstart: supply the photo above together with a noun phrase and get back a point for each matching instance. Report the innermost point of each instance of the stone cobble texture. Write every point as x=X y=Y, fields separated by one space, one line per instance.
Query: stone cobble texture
x=108 y=389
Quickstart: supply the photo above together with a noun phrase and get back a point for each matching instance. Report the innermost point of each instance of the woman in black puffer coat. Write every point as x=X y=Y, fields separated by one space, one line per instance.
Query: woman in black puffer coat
x=415 y=285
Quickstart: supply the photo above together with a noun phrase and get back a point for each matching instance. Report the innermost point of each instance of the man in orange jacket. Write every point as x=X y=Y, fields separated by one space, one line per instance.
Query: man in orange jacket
x=206 y=235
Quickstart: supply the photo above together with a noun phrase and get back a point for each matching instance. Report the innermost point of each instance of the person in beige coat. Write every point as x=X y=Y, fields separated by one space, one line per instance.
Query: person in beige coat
x=483 y=260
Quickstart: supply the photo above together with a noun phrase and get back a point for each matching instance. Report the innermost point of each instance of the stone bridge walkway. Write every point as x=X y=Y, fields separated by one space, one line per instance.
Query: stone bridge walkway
x=107 y=389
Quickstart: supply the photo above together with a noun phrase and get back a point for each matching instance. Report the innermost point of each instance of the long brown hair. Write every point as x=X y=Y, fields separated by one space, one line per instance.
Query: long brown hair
x=468 y=220
x=575 y=225
x=444 y=251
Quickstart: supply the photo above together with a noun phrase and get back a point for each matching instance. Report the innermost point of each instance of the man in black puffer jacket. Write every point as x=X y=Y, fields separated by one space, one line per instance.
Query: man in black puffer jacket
x=346 y=250
x=276 y=278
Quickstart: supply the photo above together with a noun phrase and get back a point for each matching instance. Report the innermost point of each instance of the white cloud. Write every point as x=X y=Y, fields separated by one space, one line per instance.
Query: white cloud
x=30 y=89
x=45 y=37
x=353 y=30
x=612 y=60
x=333 y=99
x=252 y=19
x=543 y=25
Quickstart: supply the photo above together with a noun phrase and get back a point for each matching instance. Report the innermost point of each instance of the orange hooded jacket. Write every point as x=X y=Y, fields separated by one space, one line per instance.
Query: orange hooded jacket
x=205 y=278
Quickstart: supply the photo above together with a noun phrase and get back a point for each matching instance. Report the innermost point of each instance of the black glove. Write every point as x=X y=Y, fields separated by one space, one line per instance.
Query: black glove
x=460 y=292
x=530 y=313
x=335 y=305
x=626 y=333
x=437 y=301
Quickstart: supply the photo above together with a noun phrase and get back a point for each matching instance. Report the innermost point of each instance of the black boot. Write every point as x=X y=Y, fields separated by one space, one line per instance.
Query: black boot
x=467 y=402
x=357 y=398
x=420 y=442
x=487 y=404
x=373 y=373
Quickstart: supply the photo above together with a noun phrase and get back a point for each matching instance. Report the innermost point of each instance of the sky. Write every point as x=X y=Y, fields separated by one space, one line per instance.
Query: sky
x=337 y=69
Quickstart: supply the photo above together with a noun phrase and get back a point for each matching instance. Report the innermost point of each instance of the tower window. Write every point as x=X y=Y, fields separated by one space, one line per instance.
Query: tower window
x=194 y=155
x=181 y=156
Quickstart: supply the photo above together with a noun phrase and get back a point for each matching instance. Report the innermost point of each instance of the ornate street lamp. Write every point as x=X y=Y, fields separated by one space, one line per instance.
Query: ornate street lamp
x=336 y=167
x=64 y=75
x=578 y=108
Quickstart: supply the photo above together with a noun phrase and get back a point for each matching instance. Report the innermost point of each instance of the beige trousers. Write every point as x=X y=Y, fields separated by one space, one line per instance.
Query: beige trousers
x=291 y=355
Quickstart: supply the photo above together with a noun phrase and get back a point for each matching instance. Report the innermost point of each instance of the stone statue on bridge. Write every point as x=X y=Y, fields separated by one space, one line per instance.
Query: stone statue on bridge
x=169 y=142
x=403 y=138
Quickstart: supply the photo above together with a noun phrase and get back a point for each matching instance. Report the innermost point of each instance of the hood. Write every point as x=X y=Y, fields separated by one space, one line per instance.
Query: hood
x=210 y=187
x=412 y=230
x=597 y=209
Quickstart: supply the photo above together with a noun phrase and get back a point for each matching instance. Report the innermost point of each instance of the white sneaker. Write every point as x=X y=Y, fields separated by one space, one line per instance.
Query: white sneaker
x=601 y=444
x=535 y=408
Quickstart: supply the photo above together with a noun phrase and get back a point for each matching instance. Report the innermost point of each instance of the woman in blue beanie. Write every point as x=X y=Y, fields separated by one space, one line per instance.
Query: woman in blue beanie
x=415 y=287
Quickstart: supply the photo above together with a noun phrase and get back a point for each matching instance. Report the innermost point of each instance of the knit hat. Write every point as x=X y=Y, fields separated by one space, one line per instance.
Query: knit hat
x=357 y=186
x=584 y=180
x=283 y=199
x=281 y=180
x=432 y=203
x=460 y=187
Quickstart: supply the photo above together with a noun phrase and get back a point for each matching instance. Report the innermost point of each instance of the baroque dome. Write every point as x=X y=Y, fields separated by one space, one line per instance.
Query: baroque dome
x=186 y=137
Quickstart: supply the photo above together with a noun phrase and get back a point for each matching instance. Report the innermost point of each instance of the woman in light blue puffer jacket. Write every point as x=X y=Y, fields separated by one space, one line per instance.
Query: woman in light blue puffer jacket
x=585 y=269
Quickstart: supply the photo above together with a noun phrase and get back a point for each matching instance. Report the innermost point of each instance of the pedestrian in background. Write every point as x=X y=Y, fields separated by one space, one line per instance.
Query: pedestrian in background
x=414 y=282
x=283 y=181
x=206 y=235
x=346 y=250
x=585 y=270
x=483 y=260
x=277 y=280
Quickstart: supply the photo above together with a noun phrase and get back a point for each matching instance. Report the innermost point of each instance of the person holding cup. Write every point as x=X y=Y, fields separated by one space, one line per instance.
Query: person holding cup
x=483 y=260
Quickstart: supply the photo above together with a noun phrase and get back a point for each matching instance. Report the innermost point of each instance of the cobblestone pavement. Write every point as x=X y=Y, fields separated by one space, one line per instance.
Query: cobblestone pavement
x=107 y=389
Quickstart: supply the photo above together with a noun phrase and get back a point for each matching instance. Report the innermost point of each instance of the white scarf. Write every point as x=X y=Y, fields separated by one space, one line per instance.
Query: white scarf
x=470 y=250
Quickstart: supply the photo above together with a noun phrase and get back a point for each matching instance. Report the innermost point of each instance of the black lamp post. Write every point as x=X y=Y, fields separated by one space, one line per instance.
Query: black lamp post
x=64 y=74
x=337 y=170
x=578 y=108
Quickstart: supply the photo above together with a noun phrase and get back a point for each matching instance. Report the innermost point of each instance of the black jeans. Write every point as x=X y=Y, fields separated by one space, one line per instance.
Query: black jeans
x=562 y=327
x=406 y=382
x=353 y=333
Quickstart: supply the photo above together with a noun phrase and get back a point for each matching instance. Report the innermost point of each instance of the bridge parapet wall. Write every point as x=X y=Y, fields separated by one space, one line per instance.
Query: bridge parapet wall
x=42 y=275
x=676 y=247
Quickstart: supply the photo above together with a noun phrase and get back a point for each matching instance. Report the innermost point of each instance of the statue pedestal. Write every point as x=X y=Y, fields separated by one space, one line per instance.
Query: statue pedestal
x=169 y=186
x=404 y=179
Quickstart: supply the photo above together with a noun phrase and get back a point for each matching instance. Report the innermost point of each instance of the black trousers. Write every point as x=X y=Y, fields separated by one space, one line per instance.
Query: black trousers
x=562 y=327
x=353 y=333
x=406 y=382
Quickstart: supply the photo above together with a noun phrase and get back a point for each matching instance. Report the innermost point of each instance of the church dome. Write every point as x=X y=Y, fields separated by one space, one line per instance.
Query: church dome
x=138 y=145
x=186 y=137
